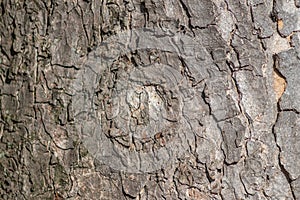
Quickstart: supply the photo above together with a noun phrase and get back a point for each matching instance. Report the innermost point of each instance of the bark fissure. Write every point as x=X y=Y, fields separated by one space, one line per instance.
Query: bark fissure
x=141 y=99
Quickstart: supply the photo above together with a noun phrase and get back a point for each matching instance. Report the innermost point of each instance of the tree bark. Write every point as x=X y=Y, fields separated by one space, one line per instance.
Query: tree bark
x=140 y=99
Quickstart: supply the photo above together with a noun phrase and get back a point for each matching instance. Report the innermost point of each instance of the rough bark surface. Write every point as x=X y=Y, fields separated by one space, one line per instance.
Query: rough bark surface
x=207 y=108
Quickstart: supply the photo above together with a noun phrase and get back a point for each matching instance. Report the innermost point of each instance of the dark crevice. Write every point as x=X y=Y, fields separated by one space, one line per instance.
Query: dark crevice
x=274 y=13
x=145 y=11
x=244 y=186
x=290 y=110
x=281 y=166
x=240 y=95
x=187 y=12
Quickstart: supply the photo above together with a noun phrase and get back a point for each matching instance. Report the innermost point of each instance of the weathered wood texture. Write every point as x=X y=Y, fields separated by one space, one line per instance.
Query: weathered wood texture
x=149 y=99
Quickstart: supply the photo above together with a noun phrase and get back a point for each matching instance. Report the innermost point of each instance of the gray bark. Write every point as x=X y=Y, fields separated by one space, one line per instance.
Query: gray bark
x=160 y=99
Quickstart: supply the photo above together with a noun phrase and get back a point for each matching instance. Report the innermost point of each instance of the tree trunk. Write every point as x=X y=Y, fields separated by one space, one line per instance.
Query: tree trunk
x=140 y=99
